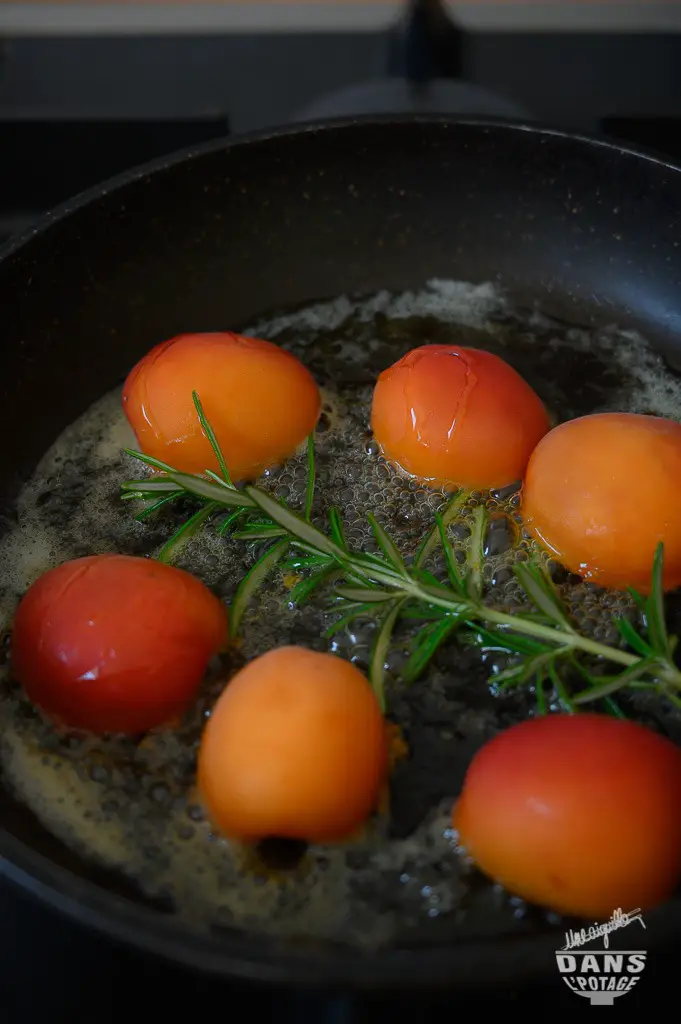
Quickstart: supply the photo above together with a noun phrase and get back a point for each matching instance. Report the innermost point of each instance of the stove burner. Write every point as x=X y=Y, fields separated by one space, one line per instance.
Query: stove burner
x=401 y=96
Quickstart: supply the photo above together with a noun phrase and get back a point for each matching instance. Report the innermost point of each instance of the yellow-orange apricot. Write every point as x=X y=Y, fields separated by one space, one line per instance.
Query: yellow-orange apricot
x=601 y=492
x=259 y=399
x=576 y=813
x=296 y=748
x=457 y=417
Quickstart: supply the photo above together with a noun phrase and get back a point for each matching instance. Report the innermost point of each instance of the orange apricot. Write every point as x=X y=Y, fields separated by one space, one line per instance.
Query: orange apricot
x=115 y=643
x=259 y=399
x=601 y=492
x=296 y=748
x=576 y=813
x=457 y=417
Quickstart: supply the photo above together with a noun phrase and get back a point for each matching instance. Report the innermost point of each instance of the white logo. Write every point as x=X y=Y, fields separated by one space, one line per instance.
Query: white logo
x=600 y=975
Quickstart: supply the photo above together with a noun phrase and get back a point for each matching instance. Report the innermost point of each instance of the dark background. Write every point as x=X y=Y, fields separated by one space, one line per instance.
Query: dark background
x=75 y=111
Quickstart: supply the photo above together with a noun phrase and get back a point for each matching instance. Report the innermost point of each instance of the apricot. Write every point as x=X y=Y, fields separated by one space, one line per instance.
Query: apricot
x=601 y=492
x=115 y=643
x=457 y=417
x=259 y=399
x=296 y=748
x=576 y=813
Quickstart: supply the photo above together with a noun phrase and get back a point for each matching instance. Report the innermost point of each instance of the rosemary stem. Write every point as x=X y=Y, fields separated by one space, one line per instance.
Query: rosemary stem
x=664 y=672
x=443 y=598
x=383 y=579
x=558 y=637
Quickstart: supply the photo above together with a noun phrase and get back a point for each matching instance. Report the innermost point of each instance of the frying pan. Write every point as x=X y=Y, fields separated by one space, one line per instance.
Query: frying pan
x=210 y=239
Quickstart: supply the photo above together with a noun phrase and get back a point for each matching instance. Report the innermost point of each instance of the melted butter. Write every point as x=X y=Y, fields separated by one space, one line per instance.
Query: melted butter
x=132 y=806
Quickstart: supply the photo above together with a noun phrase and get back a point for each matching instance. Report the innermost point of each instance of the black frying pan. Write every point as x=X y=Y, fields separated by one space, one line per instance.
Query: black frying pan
x=208 y=240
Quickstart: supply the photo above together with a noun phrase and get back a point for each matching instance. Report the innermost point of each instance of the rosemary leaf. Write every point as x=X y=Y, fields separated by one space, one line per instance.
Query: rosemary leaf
x=538 y=640
x=453 y=573
x=138 y=488
x=632 y=637
x=354 y=611
x=505 y=642
x=373 y=567
x=251 y=582
x=336 y=528
x=582 y=670
x=303 y=590
x=429 y=640
x=422 y=613
x=560 y=688
x=218 y=480
x=292 y=522
x=427 y=577
x=189 y=529
x=365 y=595
x=543 y=595
x=259 y=532
x=232 y=518
x=145 y=513
x=149 y=460
x=210 y=434
x=527 y=670
x=387 y=546
x=614 y=683
x=380 y=650
x=639 y=600
x=203 y=489
x=430 y=541
x=612 y=708
x=298 y=562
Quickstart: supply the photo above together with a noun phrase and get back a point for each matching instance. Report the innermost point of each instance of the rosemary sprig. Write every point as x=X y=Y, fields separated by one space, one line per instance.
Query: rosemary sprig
x=250 y=583
x=544 y=645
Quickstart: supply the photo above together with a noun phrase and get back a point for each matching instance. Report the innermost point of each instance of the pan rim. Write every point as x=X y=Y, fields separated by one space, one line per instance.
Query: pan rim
x=464 y=965
x=181 y=156
x=447 y=966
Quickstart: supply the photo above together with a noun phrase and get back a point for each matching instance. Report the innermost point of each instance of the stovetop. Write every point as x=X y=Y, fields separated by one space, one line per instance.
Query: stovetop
x=73 y=112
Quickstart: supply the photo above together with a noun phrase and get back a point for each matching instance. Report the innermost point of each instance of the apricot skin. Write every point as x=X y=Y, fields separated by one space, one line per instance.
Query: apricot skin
x=295 y=748
x=576 y=813
x=457 y=417
x=601 y=492
x=115 y=643
x=259 y=399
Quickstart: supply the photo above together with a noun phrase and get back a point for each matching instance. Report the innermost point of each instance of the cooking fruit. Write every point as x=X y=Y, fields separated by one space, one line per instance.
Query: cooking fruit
x=115 y=643
x=601 y=492
x=453 y=416
x=576 y=813
x=295 y=748
x=259 y=399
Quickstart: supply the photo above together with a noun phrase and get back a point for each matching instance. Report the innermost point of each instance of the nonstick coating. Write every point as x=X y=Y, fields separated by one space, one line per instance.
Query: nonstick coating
x=209 y=239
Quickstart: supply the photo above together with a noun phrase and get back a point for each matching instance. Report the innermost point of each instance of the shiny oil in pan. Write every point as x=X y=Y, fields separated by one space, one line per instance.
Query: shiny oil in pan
x=132 y=805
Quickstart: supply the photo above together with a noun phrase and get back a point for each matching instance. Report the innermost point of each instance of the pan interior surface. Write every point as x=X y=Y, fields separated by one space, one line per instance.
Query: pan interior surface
x=409 y=251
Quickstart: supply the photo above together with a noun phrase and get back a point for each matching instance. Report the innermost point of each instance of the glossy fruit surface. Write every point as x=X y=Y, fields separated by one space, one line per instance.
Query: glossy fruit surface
x=115 y=643
x=259 y=399
x=601 y=492
x=296 y=747
x=457 y=417
x=576 y=813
